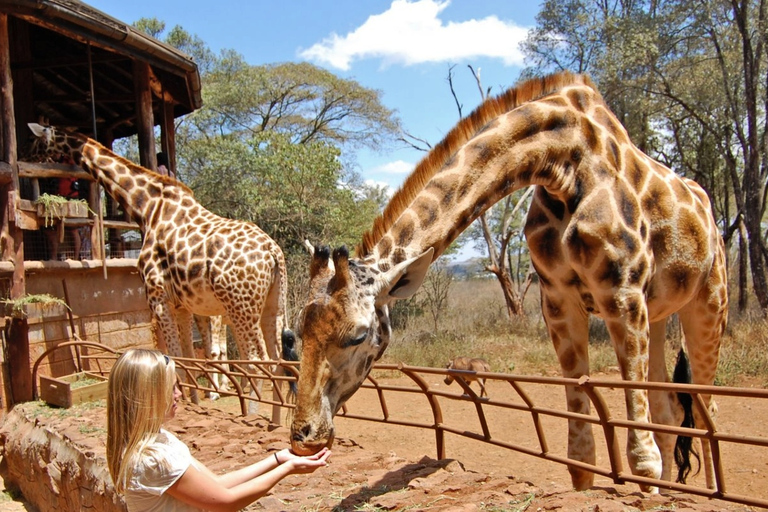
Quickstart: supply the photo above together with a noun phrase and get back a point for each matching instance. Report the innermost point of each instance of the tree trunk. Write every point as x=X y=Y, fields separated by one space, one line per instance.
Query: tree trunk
x=743 y=269
x=512 y=299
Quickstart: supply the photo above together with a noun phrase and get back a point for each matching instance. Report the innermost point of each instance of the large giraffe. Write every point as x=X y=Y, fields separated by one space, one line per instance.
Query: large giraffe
x=611 y=233
x=191 y=260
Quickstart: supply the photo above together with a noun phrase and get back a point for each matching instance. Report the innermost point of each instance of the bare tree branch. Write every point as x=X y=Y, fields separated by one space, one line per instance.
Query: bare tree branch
x=419 y=144
x=453 y=91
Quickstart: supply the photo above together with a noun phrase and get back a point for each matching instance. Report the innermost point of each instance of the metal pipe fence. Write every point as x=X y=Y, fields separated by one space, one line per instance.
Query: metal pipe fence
x=246 y=378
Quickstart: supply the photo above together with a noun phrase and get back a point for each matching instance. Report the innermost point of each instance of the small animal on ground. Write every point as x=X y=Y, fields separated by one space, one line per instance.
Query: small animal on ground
x=474 y=364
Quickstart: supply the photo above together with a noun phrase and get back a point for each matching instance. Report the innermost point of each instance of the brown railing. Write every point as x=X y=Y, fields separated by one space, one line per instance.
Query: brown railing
x=279 y=372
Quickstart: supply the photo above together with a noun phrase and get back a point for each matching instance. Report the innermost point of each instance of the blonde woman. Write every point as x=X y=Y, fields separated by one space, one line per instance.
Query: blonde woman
x=153 y=469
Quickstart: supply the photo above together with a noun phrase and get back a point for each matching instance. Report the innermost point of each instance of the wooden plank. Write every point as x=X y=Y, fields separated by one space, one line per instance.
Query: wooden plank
x=52 y=170
x=120 y=224
x=72 y=222
x=28 y=220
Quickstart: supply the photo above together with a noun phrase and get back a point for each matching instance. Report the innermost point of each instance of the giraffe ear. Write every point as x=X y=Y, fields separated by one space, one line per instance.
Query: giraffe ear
x=405 y=278
x=42 y=132
x=37 y=129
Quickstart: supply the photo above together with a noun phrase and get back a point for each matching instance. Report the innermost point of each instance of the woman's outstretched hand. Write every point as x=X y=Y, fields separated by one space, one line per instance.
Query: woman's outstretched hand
x=304 y=464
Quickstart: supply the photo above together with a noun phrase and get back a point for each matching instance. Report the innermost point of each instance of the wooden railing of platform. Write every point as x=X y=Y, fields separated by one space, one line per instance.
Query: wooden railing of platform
x=96 y=358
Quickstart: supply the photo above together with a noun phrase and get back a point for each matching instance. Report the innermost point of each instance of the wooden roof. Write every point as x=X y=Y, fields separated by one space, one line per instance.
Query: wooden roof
x=55 y=43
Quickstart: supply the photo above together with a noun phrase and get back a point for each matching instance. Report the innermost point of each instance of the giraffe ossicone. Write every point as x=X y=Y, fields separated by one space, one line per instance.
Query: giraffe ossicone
x=192 y=261
x=611 y=232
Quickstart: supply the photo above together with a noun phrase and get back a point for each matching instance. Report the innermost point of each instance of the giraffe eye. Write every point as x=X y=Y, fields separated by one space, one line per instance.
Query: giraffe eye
x=355 y=341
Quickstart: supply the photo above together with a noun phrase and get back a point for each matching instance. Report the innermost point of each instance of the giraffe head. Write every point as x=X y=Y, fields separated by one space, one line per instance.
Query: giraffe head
x=344 y=328
x=48 y=145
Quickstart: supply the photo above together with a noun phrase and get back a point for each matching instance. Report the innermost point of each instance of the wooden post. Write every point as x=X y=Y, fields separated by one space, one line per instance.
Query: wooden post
x=168 y=137
x=144 y=117
x=19 y=365
x=17 y=353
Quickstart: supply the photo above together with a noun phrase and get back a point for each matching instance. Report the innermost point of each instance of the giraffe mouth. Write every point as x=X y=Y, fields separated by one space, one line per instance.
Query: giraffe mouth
x=304 y=447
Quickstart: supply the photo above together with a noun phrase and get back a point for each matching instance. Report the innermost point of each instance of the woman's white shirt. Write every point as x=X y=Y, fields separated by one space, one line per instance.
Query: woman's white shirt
x=162 y=464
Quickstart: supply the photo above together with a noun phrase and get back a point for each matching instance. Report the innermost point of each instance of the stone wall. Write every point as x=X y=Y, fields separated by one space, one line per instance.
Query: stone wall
x=58 y=471
x=111 y=311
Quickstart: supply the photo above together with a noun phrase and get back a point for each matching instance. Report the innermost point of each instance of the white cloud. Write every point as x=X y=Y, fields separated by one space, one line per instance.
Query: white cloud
x=380 y=184
x=394 y=167
x=411 y=32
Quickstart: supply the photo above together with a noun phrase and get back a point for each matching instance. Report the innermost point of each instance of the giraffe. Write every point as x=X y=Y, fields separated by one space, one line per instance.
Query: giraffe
x=611 y=232
x=191 y=260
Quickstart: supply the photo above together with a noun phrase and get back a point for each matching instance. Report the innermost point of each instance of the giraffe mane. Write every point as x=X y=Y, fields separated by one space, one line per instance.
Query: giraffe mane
x=167 y=180
x=490 y=109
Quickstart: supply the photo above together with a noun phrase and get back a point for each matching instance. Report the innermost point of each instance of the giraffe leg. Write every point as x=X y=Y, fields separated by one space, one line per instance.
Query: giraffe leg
x=569 y=330
x=157 y=335
x=271 y=329
x=702 y=339
x=184 y=320
x=665 y=407
x=167 y=328
x=219 y=348
x=631 y=343
x=250 y=344
x=205 y=328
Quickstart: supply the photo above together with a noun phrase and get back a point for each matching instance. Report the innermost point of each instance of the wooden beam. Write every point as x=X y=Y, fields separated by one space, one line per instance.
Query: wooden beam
x=13 y=249
x=52 y=170
x=7 y=115
x=144 y=118
x=17 y=350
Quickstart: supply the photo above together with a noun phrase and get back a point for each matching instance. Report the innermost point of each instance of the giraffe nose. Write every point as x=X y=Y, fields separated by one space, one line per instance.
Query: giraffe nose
x=305 y=441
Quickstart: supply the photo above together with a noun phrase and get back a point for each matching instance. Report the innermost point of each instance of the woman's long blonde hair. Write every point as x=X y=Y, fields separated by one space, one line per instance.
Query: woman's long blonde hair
x=140 y=397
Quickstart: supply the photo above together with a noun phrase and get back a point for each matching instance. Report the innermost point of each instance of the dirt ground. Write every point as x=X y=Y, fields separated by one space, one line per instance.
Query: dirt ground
x=382 y=467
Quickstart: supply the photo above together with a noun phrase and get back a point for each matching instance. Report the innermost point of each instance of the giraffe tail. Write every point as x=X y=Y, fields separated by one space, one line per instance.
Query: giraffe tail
x=684 y=444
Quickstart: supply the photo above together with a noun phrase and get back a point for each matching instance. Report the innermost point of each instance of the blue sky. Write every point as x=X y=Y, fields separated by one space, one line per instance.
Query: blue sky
x=403 y=48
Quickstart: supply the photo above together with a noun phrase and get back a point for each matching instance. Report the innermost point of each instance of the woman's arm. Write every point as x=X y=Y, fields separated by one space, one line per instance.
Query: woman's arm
x=202 y=489
x=246 y=473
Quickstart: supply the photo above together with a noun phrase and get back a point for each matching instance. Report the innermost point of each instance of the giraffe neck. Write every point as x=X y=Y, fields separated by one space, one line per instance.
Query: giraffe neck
x=138 y=190
x=542 y=142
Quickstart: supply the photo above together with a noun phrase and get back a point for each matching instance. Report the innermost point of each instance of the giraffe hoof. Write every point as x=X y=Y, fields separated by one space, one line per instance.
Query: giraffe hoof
x=213 y=396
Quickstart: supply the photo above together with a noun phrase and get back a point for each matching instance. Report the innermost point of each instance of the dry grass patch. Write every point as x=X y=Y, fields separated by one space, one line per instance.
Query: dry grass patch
x=474 y=323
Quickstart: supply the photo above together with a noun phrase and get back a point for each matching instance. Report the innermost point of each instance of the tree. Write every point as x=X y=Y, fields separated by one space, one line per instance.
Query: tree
x=433 y=295
x=299 y=99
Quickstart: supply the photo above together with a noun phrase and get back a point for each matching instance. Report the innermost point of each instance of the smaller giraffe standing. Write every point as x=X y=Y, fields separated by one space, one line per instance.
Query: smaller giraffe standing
x=213 y=332
x=192 y=261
